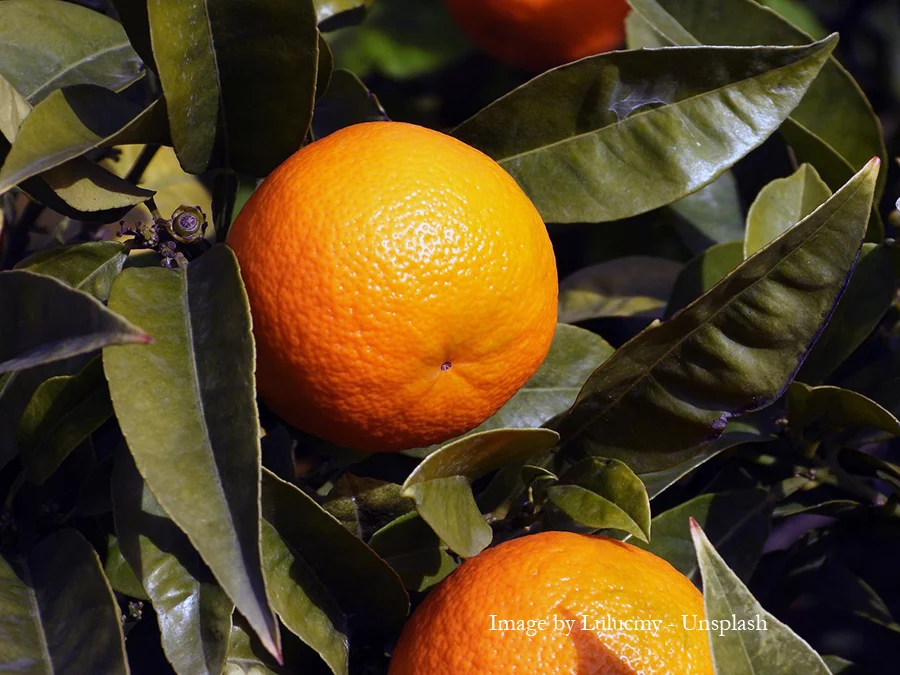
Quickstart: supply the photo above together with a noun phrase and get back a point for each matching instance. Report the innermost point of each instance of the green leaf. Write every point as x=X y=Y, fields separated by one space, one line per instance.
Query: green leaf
x=782 y=204
x=246 y=656
x=839 y=666
x=415 y=552
x=868 y=297
x=63 y=412
x=712 y=215
x=365 y=505
x=193 y=612
x=67 y=124
x=837 y=408
x=623 y=133
x=631 y=286
x=798 y=14
x=834 y=112
x=58 y=613
x=46 y=320
x=401 y=39
x=749 y=429
x=201 y=454
x=136 y=23
x=332 y=14
x=733 y=351
x=14 y=108
x=89 y=267
x=325 y=68
x=441 y=484
x=360 y=581
x=346 y=102
x=47 y=44
x=604 y=494
x=242 y=71
x=737 y=522
x=119 y=573
x=704 y=272
x=774 y=651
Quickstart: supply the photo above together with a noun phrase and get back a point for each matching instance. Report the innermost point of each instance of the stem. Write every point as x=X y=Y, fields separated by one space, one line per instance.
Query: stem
x=17 y=235
x=136 y=172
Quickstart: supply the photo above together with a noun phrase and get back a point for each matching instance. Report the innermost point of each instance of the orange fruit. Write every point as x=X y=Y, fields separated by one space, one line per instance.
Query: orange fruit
x=402 y=286
x=593 y=582
x=535 y=35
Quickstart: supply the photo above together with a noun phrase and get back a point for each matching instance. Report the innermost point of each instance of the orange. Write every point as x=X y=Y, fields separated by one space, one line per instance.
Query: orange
x=593 y=582
x=535 y=35
x=402 y=287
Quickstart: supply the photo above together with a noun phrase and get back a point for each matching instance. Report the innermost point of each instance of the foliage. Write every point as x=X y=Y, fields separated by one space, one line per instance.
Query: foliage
x=721 y=210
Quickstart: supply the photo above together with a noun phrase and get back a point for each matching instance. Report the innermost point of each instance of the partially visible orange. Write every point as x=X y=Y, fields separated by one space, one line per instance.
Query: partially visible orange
x=557 y=577
x=402 y=286
x=535 y=35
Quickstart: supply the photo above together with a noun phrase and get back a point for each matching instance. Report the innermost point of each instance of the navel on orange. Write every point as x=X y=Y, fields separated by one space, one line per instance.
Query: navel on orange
x=608 y=608
x=402 y=287
x=538 y=34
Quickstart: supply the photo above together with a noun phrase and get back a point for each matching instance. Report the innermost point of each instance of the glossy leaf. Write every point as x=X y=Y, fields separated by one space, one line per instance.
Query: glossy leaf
x=360 y=581
x=838 y=408
x=704 y=272
x=835 y=111
x=119 y=573
x=623 y=133
x=415 y=552
x=347 y=101
x=868 y=297
x=736 y=522
x=193 y=612
x=67 y=124
x=774 y=651
x=246 y=71
x=712 y=215
x=199 y=372
x=47 y=44
x=63 y=412
x=246 y=656
x=604 y=494
x=332 y=14
x=733 y=351
x=54 y=321
x=631 y=286
x=782 y=204
x=89 y=267
x=365 y=505
x=46 y=600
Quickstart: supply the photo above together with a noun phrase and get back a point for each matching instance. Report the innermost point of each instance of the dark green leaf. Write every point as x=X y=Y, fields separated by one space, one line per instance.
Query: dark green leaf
x=868 y=296
x=119 y=573
x=604 y=494
x=333 y=14
x=732 y=351
x=325 y=66
x=136 y=23
x=415 y=552
x=187 y=407
x=448 y=506
x=89 y=267
x=401 y=39
x=63 y=412
x=623 y=133
x=194 y=613
x=365 y=505
x=704 y=272
x=57 y=612
x=798 y=14
x=835 y=112
x=838 y=408
x=45 y=320
x=712 y=215
x=782 y=204
x=66 y=125
x=774 y=651
x=736 y=522
x=360 y=581
x=346 y=102
x=632 y=286
x=246 y=656
x=47 y=44
x=245 y=72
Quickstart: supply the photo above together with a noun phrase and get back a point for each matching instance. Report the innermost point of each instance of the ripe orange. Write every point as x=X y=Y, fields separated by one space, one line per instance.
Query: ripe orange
x=595 y=582
x=538 y=34
x=402 y=286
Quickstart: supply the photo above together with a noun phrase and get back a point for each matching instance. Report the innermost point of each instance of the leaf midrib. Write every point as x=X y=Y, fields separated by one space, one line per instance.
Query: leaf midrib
x=76 y=64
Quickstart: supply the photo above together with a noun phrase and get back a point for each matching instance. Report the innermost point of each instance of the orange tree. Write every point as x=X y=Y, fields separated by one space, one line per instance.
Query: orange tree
x=720 y=388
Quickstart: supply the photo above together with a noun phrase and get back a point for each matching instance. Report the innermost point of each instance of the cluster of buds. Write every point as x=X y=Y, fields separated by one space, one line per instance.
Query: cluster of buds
x=171 y=239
